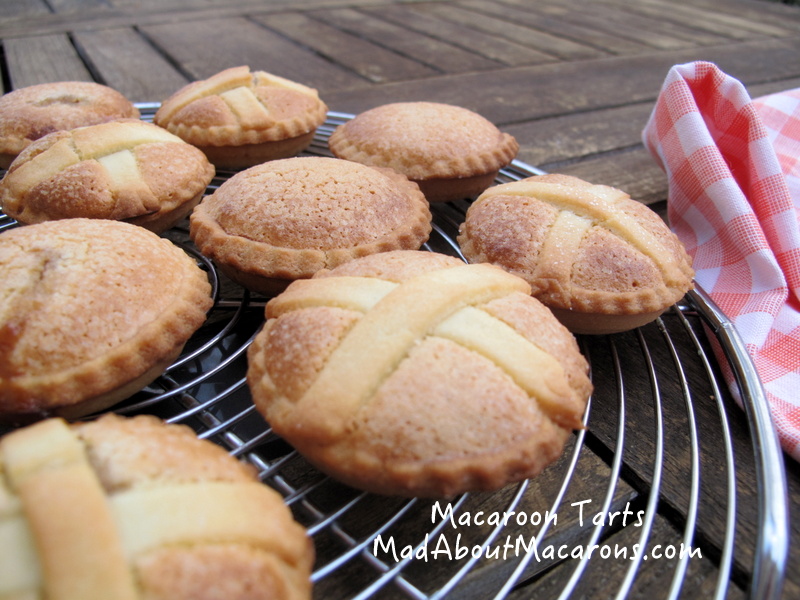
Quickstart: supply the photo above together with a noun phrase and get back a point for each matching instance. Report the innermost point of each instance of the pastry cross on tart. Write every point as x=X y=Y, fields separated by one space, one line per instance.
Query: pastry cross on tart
x=412 y=373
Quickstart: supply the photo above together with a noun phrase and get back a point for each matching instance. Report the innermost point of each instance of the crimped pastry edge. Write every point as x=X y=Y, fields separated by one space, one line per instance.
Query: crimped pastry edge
x=453 y=168
x=260 y=259
x=437 y=478
x=28 y=397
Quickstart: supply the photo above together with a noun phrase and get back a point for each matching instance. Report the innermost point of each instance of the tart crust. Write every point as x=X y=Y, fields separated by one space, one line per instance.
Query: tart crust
x=29 y=113
x=123 y=170
x=90 y=311
x=450 y=151
x=289 y=218
x=411 y=373
x=241 y=117
x=602 y=261
x=167 y=515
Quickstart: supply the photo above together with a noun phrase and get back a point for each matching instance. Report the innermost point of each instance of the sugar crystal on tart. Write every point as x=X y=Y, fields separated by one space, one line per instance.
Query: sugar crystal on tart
x=29 y=113
x=601 y=261
x=411 y=373
x=289 y=218
x=91 y=311
x=126 y=170
x=240 y=117
x=136 y=509
x=450 y=151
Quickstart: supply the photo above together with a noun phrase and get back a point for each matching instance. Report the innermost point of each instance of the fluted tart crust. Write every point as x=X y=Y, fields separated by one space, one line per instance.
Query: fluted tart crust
x=450 y=151
x=91 y=311
x=289 y=218
x=600 y=260
x=411 y=373
x=126 y=170
x=135 y=509
x=30 y=113
x=240 y=117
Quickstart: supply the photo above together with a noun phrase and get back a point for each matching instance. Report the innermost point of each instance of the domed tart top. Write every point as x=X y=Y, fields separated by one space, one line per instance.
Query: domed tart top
x=122 y=170
x=424 y=140
x=583 y=248
x=360 y=368
x=290 y=218
x=86 y=306
x=149 y=502
x=32 y=112
x=238 y=107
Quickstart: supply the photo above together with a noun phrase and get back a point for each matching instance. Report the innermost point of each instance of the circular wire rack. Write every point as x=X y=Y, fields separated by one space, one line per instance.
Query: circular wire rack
x=626 y=461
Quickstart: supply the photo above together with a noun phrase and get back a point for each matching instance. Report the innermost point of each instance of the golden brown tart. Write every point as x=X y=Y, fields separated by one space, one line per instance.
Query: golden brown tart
x=29 y=113
x=289 y=218
x=91 y=310
x=240 y=117
x=135 y=509
x=412 y=373
x=600 y=260
x=125 y=170
x=450 y=151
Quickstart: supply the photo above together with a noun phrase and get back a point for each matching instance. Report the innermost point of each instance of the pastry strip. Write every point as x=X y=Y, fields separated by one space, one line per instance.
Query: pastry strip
x=68 y=514
x=596 y=203
x=375 y=345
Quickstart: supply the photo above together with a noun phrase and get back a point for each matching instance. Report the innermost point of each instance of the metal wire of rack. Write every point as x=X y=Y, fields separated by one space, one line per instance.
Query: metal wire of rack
x=630 y=440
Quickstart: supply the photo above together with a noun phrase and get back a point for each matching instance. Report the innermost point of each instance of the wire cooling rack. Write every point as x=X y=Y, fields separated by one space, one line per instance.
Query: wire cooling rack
x=662 y=451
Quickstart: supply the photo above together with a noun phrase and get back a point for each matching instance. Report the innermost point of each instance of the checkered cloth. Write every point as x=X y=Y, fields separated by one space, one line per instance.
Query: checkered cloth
x=734 y=191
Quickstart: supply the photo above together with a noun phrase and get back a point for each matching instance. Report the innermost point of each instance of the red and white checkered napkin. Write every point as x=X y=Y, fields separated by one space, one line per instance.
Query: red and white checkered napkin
x=734 y=200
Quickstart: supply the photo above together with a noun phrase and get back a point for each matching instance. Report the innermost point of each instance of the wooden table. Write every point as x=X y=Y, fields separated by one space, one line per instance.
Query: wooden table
x=573 y=80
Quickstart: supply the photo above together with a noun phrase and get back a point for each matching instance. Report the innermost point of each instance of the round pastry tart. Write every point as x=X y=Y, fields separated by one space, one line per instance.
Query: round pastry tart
x=126 y=170
x=449 y=151
x=91 y=311
x=601 y=261
x=29 y=113
x=411 y=373
x=287 y=219
x=241 y=118
x=135 y=509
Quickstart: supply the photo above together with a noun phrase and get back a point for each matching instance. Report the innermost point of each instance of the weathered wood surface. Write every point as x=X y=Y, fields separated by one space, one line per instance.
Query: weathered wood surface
x=573 y=80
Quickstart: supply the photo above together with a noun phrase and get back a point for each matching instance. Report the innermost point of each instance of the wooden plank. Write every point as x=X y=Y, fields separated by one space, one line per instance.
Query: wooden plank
x=564 y=139
x=720 y=19
x=669 y=21
x=243 y=42
x=23 y=8
x=443 y=56
x=373 y=62
x=43 y=59
x=68 y=6
x=527 y=13
x=603 y=577
x=475 y=17
x=646 y=31
x=127 y=62
x=415 y=17
x=676 y=473
x=570 y=528
x=551 y=90
x=128 y=13
x=780 y=18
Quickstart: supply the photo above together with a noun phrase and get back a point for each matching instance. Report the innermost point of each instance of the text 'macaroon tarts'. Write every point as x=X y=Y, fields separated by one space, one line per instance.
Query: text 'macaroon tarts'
x=126 y=170
x=287 y=219
x=133 y=508
x=449 y=151
x=601 y=261
x=241 y=118
x=412 y=373
x=91 y=311
x=29 y=113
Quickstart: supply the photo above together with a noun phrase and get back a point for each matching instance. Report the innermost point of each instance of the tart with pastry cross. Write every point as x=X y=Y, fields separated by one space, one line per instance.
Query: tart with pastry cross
x=412 y=373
